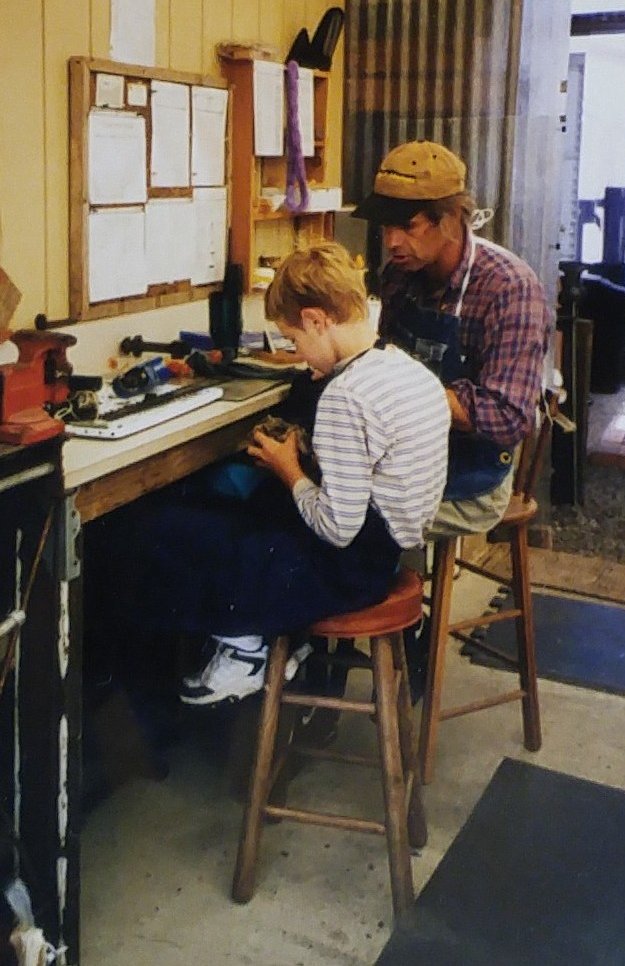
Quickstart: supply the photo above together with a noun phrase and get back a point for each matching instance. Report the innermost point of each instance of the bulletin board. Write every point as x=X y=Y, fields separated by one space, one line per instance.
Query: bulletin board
x=149 y=172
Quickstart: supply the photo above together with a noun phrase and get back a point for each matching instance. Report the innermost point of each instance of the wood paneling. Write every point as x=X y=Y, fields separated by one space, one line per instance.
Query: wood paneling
x=100 y=45
x=61 y=39
x=185 y=52
x=22 y=158
x=270 y=28
x=36 y=41
x=245 y=20
x=163 y=32
x=217 y=27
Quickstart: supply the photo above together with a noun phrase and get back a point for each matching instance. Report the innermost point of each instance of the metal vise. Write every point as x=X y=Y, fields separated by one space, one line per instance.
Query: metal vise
x=38 y=379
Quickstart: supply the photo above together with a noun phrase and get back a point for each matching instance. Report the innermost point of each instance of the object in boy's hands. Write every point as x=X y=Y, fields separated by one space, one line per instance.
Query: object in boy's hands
x=279 y=429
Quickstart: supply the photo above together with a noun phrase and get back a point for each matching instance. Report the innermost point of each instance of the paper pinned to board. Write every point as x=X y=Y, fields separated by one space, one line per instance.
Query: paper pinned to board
x=117 y=158
x=170 y=161
x=209 y=261
x=109 y=90
x=116 y=254
x=169 y=239
x=208 y=139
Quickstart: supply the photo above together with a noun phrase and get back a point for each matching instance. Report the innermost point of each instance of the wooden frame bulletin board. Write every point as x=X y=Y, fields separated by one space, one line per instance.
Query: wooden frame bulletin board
x=149 y=171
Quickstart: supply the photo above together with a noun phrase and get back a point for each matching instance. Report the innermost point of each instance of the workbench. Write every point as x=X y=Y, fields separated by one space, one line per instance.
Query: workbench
x=97 y=477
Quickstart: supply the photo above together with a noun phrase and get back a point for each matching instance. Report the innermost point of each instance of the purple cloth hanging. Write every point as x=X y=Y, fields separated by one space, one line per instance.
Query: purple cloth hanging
x=295 y=168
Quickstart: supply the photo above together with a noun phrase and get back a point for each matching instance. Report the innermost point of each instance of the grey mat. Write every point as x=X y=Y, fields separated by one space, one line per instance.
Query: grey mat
x=535 y=878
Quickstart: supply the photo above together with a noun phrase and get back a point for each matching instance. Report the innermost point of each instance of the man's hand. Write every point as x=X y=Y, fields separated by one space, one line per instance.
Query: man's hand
x=459 y=416
x=282 y=458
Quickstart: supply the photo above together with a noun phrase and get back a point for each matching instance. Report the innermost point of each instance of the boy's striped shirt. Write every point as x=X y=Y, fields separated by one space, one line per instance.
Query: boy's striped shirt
x=381 y=435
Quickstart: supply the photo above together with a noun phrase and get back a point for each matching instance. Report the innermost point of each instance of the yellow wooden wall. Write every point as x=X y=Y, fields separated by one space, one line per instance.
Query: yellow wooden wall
x=36 y=39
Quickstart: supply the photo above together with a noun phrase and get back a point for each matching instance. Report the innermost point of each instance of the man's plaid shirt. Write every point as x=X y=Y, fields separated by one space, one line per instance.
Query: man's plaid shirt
x=504 y=333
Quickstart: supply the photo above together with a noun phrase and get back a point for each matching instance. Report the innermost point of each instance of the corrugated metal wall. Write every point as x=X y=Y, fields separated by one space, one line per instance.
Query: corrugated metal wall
x=435 y=69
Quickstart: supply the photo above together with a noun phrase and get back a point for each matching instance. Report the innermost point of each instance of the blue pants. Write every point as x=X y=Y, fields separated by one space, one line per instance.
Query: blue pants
x=179 y=560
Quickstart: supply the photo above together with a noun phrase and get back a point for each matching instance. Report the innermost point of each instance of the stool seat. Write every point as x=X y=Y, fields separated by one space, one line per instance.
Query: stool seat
x=400 y=609
x=519 y=510
x=390 y=708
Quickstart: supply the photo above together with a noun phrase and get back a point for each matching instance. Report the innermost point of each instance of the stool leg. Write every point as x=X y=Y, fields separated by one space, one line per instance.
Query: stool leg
x=526 y=638
x=392 y=774
x=417 y=827
x=243 y=883
x=442 y=577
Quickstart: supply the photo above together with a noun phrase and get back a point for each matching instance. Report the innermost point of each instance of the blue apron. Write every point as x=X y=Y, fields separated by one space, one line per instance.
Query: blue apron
x=476 y=464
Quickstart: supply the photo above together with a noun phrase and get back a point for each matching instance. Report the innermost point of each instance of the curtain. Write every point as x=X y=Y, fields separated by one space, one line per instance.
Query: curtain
x=439 y=70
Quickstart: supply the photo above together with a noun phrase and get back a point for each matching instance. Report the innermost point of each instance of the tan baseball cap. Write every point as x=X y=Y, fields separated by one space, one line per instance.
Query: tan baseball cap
x=409 y=175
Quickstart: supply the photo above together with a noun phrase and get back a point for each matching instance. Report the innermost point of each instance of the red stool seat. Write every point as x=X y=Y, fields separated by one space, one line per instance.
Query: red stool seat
x=400 y=609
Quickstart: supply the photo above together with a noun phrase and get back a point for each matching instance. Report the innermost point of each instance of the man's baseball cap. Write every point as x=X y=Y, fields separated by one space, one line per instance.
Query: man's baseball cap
x=409 y=175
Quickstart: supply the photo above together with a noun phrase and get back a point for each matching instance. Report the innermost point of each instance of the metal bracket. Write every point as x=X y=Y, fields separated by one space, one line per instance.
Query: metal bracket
x=69 y=531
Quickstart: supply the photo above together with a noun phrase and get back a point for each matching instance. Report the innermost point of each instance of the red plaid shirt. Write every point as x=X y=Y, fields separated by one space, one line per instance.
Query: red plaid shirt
x=504 y=332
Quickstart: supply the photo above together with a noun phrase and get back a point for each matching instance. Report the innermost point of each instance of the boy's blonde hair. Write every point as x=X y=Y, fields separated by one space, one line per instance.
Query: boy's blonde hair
x=322 y=275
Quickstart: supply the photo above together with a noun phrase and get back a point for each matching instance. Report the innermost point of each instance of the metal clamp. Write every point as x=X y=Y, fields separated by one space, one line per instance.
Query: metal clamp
x=69 y=531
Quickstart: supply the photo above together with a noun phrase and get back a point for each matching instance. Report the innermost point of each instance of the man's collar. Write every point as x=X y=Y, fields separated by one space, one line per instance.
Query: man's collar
x=457 y=276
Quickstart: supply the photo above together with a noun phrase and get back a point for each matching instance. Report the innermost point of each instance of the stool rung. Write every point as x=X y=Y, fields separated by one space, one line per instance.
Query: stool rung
x=328 y=755
x=326 y=819
x=461 y=709
x=319 y=701
x=481 y=572
x=485 y=619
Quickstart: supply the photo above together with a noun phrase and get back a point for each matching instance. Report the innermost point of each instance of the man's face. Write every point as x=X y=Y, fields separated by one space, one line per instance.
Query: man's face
x=416 y=246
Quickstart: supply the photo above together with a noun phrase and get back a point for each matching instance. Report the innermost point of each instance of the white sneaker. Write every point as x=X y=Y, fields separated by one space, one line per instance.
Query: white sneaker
x=230 y=675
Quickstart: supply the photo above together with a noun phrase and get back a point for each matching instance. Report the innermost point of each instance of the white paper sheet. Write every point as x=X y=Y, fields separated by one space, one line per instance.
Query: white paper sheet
x=210 y=207
x=208 y=138
x=169 y=164
x=137 y=94
x=306 y=110
x=116 y=253
x=268 y=109
x=117 y=153
x=169 y=239
x=109 y=90
x=133 y=32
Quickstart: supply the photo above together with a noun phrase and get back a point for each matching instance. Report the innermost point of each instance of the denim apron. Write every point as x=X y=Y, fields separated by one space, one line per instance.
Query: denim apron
x=476 y=463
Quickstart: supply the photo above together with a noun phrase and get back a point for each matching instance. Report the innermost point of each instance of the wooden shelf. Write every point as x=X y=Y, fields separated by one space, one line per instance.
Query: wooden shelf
x=251 y=174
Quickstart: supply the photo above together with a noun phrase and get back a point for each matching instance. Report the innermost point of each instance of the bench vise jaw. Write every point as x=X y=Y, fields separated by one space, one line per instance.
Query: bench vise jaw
x=37 y=381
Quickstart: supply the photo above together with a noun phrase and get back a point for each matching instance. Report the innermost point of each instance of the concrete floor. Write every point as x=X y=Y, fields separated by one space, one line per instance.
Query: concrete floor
x=158 y=856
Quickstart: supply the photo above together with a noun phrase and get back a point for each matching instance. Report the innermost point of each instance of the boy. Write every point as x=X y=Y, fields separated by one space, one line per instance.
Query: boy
x=296 y=551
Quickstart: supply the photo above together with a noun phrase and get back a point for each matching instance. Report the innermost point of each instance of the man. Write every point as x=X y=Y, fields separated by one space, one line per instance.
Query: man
x=442 y=285
x=446 y=292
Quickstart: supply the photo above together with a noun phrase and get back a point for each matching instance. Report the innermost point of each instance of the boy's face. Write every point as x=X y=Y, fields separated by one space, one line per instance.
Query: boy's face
x=313 y=339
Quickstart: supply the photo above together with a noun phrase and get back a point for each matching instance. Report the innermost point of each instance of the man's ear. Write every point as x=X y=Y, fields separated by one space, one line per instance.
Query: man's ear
x=451 y=225
x=314 y=317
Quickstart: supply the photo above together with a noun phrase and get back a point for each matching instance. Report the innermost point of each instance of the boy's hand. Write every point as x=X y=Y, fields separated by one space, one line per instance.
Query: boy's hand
x=282 y=458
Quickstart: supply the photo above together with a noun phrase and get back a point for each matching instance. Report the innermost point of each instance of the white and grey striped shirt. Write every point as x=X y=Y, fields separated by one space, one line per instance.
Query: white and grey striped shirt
x=381 y=436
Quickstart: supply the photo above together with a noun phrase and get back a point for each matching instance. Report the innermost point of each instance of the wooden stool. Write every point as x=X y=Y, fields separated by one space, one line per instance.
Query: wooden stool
x=404 y=820
x=512 y=529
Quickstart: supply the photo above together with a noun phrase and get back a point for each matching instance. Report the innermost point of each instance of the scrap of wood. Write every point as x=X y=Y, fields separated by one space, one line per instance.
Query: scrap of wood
x=10 y=297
